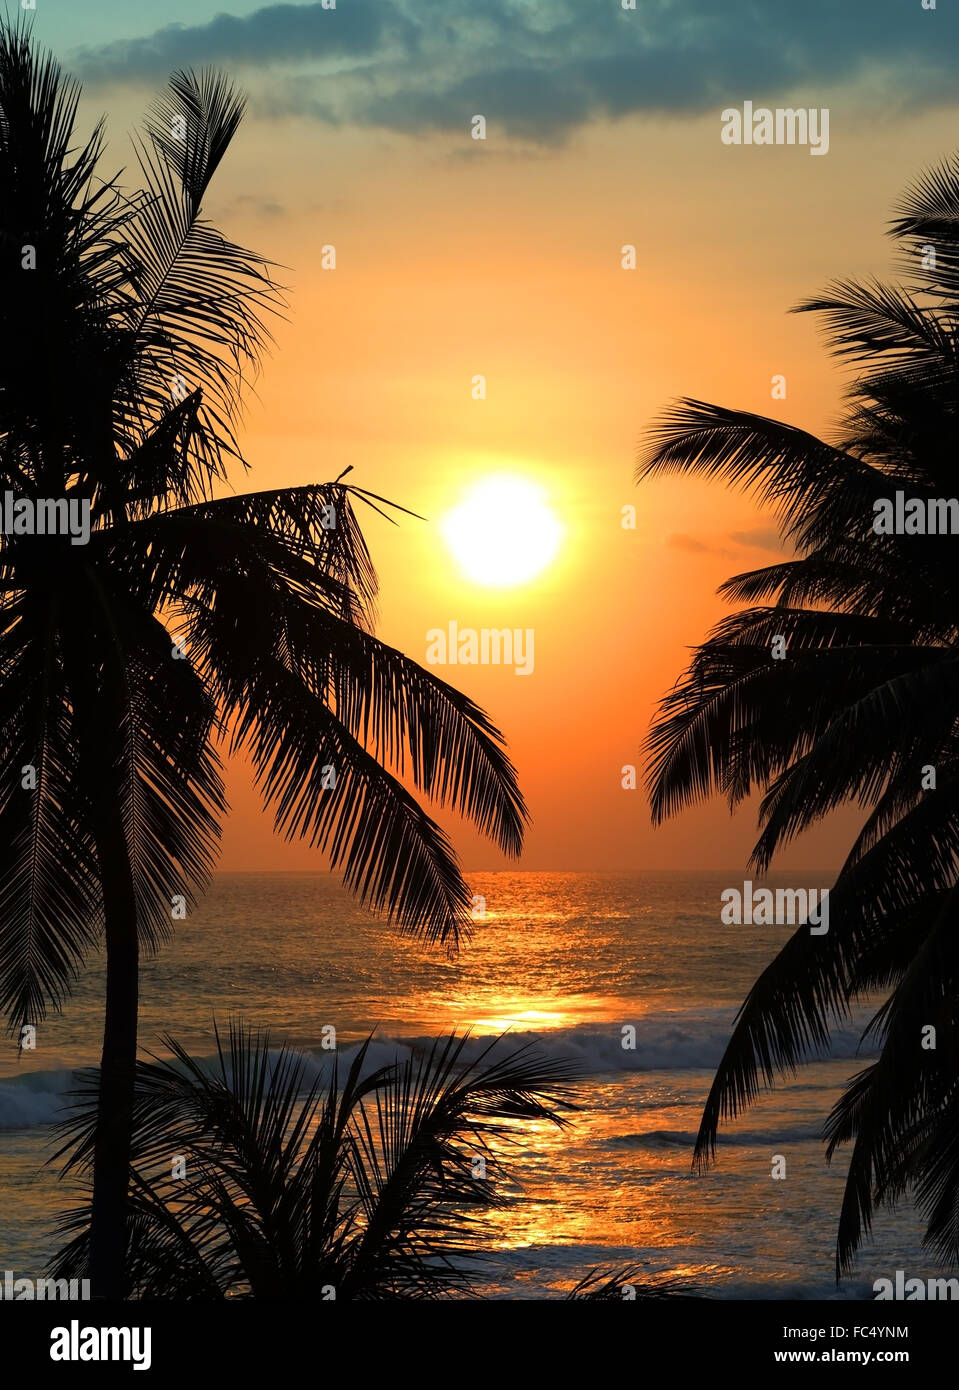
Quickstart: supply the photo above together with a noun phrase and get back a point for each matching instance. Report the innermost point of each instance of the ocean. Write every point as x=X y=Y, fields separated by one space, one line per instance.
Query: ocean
x=570 y=959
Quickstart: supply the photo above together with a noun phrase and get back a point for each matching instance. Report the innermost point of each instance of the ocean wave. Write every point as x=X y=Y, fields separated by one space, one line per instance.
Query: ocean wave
x=685 y=1139
x=33 y=1099
x=675 y=1041
x=556 y=1267
x=663 y=1043
x=42 y=1097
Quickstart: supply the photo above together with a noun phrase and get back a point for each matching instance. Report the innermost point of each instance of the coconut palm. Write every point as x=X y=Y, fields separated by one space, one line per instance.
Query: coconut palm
x=628 y=1284
x=129 y=327
x=260 y=1173
x=862 y=709
x=288 y=1184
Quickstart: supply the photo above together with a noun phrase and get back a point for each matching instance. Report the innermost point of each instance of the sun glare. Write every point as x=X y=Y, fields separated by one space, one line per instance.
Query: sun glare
x=503 y=532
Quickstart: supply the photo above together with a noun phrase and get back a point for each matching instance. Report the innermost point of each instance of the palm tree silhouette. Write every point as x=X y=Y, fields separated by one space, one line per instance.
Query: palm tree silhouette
x=371 y=1184
x=129 y=327
x=288 y=1184
x=862 y=707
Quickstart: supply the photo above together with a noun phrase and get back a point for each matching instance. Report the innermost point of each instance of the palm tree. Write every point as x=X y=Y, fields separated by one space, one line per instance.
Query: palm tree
x=864 y=708
x=371 y=1185
x=129 y=327
x=630 y=1283
x=254 y=1177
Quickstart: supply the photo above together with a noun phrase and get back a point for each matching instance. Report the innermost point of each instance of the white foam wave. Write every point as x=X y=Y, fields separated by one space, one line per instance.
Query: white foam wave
x=666 y=1042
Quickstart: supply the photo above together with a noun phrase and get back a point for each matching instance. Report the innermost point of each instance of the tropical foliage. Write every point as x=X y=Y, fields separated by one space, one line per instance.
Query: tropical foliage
x=861 y=709
x=192 y=621
x=254 y=1176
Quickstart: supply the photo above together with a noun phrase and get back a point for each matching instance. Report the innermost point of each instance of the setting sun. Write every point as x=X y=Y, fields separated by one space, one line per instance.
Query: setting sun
x=474 y=596
x=503 y=532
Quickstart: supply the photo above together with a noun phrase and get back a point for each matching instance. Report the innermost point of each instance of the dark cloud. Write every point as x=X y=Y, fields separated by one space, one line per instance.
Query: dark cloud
x=538 y=68
x=274 y=34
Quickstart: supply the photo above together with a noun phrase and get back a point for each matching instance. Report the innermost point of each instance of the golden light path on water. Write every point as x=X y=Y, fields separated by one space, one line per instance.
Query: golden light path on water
x=525 y=1018
x=631 y=979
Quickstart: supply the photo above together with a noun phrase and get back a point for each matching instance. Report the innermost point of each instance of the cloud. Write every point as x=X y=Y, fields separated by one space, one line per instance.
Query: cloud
x=679 y=541
x=759 y=538
x=255 y=205
x=755 y=538
x=540 y=68
x=274 y=34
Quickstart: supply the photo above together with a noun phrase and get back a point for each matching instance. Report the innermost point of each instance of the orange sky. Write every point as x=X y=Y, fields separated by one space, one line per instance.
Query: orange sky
x=455 y=261
x=457 y=257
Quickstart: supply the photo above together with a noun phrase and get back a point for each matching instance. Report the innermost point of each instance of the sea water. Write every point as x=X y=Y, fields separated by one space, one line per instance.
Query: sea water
x=574 y=961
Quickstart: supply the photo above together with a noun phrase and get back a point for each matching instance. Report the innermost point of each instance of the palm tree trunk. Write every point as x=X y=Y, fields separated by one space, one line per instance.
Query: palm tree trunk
x=112 y=1139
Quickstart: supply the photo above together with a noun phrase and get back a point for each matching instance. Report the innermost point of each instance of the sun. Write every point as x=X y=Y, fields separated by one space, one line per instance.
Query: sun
x=503 y=532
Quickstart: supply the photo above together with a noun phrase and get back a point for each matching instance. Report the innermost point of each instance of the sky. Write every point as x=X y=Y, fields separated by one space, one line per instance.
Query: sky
x=503 y=257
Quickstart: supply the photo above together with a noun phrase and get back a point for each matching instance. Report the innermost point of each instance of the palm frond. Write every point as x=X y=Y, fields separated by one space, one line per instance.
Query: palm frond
x=297 y=1182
